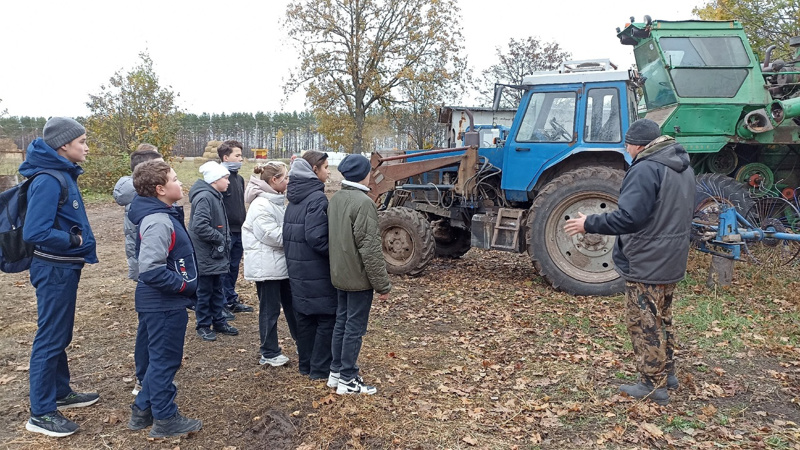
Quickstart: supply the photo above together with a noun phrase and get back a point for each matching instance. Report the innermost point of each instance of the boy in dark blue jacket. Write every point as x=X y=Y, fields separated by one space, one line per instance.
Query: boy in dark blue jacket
x=167 y=283
x=63 y=243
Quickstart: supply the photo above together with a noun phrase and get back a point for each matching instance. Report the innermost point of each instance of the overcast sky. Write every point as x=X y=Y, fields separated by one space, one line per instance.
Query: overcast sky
x=232 y=56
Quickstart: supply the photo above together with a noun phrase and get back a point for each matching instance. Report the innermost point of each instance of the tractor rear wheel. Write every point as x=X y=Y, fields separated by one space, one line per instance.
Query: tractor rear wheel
x=406 y=240
x=580 y=264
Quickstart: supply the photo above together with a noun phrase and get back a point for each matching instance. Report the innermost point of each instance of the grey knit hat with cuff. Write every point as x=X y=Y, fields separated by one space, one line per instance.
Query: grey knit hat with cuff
x=60 y=131
x=642 y=132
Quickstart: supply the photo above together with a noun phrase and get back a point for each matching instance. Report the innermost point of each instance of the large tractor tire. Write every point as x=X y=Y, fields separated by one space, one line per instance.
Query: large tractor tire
x=406 y=240
x=580 y=264
x=713 y=190
x=451 y=242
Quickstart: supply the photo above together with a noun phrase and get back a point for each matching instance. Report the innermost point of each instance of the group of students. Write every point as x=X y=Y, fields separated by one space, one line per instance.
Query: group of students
x=287 y=252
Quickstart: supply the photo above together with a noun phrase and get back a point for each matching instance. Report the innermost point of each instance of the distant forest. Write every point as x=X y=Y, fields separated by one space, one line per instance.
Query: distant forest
x=287 y=133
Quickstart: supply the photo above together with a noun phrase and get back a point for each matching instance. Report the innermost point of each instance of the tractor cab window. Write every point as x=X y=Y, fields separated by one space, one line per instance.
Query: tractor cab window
x=602 y=116
x=549 y=117
x=706 y=66
x=658 y=91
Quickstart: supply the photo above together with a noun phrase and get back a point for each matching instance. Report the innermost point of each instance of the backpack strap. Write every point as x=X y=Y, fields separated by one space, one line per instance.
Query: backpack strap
x=58 y=175
x=62 y=199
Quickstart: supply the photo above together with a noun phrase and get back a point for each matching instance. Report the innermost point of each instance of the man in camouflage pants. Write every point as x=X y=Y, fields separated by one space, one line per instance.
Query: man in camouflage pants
x=653 y=225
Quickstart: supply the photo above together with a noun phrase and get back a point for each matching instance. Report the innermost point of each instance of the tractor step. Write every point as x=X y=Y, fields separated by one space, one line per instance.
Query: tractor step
x=506 y=229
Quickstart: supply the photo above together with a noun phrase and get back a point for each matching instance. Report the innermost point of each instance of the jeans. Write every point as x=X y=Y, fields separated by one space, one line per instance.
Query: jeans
x=352 y=315
x=165 y=332
x=229 y=279
x=209 y=301
x=56 y=293
x=272 y=294
x=314 y=336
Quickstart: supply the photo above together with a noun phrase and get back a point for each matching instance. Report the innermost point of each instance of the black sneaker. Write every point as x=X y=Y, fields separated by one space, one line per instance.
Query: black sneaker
x=206 y=334
x=227 y=314
x=239 y=308
x=176 y=425
x=52 y=424
x=226 y=329
x=140 y=419
x=77 y=400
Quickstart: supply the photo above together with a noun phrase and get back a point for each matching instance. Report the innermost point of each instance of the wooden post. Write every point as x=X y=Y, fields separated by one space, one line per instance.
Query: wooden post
x=720 y=272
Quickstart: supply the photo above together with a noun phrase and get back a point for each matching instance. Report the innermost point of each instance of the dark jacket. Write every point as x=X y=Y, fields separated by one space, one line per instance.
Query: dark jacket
x=356 y=242
x=208 y=228
x=234 y=202
x=305 y=242
x=165 y=257
x=654 y=219
x=54 y=230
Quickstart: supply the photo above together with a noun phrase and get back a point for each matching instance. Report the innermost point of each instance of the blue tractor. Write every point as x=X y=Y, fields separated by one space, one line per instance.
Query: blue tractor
x=563 y=153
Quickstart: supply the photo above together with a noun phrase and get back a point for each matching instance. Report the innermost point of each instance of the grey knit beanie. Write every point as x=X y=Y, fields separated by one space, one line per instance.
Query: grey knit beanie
x=642 y=132
x=59 y=131
x=354 y=168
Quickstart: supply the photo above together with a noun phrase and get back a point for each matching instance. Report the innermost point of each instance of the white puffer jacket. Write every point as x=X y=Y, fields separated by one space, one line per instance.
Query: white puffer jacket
x=262 y=237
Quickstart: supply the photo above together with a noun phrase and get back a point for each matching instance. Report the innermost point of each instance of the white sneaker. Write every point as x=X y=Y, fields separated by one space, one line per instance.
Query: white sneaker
x=333 y=380
x=274 y=362
x=137 y=388
x=354 y=386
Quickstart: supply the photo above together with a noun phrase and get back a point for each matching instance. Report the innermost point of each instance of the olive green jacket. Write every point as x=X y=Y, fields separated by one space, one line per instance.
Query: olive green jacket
x=354 y=243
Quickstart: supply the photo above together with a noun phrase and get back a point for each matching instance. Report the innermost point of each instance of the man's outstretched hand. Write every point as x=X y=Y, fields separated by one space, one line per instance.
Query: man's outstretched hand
x=575 y=226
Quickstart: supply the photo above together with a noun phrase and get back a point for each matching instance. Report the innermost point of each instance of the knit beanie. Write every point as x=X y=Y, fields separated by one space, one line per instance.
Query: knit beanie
x=60 y=131
x=354 y=168
x=213 y=171
x=642 y=132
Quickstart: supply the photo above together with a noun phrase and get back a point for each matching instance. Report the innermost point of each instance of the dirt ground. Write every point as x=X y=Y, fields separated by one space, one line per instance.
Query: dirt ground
x=475 y=353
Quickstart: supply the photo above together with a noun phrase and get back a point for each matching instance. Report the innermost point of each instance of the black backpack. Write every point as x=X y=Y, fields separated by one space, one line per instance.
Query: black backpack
x=15 y=253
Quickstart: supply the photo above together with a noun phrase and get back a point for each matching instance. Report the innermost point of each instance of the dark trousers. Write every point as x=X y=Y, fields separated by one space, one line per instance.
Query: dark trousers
x=140 y=354
x=352 y=315
x=229 y=279
x=165 y=332
x=272 y=294
x=314 y=336
x=56 y=293
x=209 y=301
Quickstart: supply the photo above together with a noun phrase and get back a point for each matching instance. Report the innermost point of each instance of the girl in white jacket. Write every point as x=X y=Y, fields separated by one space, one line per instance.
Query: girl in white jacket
x=264 y=260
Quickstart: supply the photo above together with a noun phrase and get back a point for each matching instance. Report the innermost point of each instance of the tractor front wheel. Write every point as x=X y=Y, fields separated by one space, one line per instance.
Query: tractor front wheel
x=580 y=264
x=406 y=240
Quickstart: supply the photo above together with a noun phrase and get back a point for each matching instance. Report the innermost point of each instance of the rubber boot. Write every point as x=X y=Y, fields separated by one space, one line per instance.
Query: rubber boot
x=174 y=426
x=672 y=381
x=140 y=419
x=646 y=390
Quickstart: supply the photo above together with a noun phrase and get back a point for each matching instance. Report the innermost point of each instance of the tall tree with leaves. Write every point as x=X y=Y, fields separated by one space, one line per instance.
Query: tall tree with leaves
x=133 y=108
x=354 y=54
x=766 y=22
x=523 y=57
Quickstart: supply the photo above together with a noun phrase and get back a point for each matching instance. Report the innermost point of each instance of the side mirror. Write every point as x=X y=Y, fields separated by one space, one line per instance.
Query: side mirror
x=498 y=95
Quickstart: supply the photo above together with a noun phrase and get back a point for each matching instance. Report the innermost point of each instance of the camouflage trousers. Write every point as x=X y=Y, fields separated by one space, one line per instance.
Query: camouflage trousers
x=649 y=316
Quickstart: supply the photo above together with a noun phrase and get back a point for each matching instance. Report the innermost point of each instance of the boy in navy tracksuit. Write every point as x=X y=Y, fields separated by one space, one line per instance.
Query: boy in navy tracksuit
x=63 y=243
x=124 y=193
x=167 y=283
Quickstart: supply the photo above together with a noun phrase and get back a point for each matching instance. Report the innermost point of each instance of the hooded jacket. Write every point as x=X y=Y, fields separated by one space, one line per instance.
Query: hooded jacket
x=305 y=242
x=124 y=193
x=165 y=257
x=54 y=231
x=356 y=242
x=208 y=228
x=654 y=219
x=262 y=233
x=234 y=202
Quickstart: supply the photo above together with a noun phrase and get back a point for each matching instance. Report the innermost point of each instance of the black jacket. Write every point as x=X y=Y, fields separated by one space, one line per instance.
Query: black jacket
x=208 y=228
x=305 y=242
x=654 y=219
x=234 y=202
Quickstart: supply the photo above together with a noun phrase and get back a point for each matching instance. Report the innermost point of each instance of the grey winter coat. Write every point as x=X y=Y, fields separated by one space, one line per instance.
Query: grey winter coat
x=208 y=228
x=124 y=193
x=654 y=219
